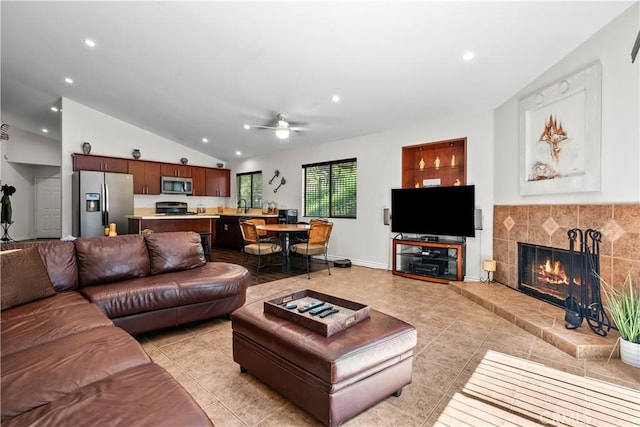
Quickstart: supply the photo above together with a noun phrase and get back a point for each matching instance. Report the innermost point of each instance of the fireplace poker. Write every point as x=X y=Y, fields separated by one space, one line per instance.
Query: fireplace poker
x=573 y=313
x=597 y=318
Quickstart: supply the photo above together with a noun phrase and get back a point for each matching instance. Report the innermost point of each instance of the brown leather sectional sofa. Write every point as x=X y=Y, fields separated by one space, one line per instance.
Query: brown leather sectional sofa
x=65 y=361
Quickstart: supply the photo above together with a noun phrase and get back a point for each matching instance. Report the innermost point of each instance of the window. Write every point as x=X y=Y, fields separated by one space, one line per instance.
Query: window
x=250 y=188
x=330 y=189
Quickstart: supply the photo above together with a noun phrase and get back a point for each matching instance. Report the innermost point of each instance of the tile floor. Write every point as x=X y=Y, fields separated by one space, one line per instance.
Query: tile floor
x=454 y=335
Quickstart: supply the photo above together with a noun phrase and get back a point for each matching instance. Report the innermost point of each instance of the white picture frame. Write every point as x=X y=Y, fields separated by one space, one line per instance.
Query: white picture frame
x=560 y=135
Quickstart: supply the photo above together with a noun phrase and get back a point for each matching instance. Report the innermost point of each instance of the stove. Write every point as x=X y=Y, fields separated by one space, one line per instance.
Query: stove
x=172 y=208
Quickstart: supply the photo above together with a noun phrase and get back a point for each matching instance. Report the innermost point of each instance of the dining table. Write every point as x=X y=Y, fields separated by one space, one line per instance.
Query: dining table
x=284 y=232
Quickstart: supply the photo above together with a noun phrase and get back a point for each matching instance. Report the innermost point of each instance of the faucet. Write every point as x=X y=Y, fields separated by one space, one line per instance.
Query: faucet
x=246 y=209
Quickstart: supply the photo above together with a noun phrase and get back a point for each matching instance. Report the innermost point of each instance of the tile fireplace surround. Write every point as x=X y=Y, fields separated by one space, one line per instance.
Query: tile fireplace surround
x=547 y=225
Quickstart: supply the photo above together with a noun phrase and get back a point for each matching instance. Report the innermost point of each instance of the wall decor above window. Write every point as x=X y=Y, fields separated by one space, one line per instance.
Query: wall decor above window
x=560 y=133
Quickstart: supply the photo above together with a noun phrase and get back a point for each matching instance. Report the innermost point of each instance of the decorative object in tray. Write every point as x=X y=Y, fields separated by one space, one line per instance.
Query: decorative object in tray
x=318 y=312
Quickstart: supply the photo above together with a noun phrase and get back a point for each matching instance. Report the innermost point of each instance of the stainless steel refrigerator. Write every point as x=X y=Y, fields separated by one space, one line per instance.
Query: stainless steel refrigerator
x=99 y=199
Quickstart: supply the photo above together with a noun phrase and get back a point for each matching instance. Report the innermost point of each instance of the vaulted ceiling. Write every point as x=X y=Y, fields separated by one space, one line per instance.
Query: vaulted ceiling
x=194 y=70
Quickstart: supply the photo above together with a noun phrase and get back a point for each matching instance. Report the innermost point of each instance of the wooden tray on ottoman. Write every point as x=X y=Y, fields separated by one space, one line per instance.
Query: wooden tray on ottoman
x=350 y=312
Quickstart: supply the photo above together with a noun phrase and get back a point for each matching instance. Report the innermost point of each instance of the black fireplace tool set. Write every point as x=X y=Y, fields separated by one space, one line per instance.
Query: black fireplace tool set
x=585 y=302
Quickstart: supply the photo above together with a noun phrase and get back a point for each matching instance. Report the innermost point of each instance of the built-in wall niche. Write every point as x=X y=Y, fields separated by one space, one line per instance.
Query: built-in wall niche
x=435 y=163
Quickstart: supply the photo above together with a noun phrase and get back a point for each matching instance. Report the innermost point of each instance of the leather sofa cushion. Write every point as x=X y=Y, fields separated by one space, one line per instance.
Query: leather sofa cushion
x=24 y=278
x=144 y=395
x=174 y=251
x=56 y=302
x=39 y=328
x=44 y=373
x=213 y=281
x=110 y=259
x=60 y=259
x=345 y=357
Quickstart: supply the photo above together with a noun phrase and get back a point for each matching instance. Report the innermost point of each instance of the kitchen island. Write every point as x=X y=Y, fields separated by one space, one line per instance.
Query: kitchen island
x=201 y=223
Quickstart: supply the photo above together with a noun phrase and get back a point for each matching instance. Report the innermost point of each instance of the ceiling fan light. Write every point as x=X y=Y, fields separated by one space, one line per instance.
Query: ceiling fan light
x=282 y=129
x=282 y=133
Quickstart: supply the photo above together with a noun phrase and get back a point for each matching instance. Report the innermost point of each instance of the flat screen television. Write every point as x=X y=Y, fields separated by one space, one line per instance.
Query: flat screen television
x=441 y=211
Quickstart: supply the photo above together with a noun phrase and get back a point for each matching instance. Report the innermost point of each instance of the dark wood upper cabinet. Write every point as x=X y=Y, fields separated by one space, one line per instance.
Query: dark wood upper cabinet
x=146 y=176
x=218 y=182
x=198 y=175
x=99 y=163
x=171 y=169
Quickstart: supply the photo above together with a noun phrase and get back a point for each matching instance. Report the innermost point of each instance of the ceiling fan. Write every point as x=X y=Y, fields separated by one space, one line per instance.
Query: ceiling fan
x=282 y=126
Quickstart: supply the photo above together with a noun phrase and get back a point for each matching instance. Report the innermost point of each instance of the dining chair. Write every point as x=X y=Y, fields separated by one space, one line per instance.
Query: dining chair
x=316 y=244
x=262 y=234
x=254 y=245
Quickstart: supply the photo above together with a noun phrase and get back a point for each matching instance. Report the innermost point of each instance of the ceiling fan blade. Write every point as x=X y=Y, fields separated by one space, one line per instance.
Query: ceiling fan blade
x=262 y=127
x=297 y=129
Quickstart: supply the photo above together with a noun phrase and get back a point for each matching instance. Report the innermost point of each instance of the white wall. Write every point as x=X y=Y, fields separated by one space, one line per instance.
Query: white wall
x=112 y=137
x=26 y=156
x=620 y=177
x=366 y=240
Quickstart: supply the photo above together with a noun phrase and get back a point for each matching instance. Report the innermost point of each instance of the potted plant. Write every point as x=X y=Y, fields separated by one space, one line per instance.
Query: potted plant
x=623 y=306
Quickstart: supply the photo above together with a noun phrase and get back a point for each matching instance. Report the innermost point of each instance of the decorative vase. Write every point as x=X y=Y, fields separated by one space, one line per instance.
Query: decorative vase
x=135 y=153
x=86 y=148
x=630 y=353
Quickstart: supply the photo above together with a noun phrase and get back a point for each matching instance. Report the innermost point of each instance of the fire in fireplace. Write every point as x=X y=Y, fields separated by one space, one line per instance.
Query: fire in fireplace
x=543 y=272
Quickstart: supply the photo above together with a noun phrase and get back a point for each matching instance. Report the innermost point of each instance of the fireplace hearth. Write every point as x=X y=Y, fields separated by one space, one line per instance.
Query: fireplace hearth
x=567 y=278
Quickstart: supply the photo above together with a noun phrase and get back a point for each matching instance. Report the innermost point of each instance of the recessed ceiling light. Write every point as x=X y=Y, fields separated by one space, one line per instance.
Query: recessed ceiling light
x=54 y=109
x=89 y=43
x=468 y=56
x=68 y=80
x=335 y=98
x=247 y=127
x=45 y=130
x=238 y=153
x=205 y=140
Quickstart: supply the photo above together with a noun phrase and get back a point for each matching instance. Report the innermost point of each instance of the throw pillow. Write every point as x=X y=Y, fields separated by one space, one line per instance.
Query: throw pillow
x=24 y=278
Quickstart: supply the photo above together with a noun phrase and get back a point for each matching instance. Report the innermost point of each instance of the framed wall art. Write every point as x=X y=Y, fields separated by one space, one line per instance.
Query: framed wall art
x=560 y=135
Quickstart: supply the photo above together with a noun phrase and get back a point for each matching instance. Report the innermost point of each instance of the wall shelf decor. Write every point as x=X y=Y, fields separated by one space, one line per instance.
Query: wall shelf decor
x=436 y=163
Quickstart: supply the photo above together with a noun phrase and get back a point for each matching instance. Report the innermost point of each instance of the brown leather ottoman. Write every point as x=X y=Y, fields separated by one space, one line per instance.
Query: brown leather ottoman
x=333 y=378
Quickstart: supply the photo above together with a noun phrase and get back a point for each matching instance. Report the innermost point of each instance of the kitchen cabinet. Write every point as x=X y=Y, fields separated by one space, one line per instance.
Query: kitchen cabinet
x=228 y=233
x=99 y=163
x=440 y=261
x=146 y=176
x=199 y=181
x=425 y=164
x=171 y=169
x=218 y=182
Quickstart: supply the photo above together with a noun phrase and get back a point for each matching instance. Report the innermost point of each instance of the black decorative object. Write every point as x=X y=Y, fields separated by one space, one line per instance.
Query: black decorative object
x=6 y=214
x=86 y=147
x=135 y=153
x=585 y=302
x=184 y=160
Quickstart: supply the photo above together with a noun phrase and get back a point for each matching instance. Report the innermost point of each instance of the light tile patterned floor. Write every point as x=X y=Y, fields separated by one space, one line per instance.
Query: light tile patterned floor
x=454 y=336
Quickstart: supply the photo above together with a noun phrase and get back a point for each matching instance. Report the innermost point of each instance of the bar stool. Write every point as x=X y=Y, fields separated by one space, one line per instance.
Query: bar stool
x=205 y=238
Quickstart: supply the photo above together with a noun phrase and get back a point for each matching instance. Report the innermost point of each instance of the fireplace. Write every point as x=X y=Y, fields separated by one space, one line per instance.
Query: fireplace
x=544 y=272
x=569 y=279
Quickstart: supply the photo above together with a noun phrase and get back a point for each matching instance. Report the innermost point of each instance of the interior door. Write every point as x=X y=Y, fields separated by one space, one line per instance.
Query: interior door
x=48 y=200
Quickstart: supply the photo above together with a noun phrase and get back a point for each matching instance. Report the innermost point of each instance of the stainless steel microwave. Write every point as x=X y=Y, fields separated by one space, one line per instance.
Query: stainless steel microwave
x=175 y=185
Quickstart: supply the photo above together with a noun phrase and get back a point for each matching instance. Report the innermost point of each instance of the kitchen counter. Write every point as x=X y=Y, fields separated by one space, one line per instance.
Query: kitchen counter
x=165 y=217
x=249 y=214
